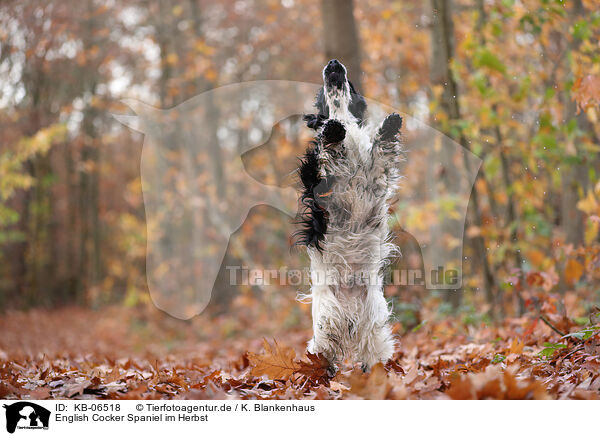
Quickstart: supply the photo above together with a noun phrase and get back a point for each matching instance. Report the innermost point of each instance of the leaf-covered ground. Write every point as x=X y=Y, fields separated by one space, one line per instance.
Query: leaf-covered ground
x=120 y=353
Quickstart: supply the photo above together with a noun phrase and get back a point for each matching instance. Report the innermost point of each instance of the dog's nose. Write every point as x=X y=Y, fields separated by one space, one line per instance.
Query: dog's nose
x=333 y=62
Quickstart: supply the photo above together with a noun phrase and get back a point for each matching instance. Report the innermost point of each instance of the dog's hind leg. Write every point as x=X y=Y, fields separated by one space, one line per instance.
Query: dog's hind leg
x=377 y=341
x=327 y=338
x=380 y=347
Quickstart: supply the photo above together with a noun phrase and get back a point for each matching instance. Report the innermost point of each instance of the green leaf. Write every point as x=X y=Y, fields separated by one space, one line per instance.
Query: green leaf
x=581 y=320
x=554 y=345
x=581 y=30
x=550 y=349
x=583 y=334
x=481 y=82
x=417 y=328
x=498 y=358
x=547 y=352
x=485 y=58
x=547 y=140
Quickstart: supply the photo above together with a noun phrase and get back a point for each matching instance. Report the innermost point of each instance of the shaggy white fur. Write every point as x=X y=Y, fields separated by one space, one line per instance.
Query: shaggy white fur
x=359 y=175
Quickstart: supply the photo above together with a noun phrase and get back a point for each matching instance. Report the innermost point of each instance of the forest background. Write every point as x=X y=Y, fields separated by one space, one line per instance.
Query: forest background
x=516 y=82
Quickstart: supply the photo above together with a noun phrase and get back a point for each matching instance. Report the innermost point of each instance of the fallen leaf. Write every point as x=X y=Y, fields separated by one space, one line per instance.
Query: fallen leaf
x=277 y=363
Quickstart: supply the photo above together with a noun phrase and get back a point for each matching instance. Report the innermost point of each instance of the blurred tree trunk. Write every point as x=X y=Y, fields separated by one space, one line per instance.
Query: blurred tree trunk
x=89 y=210
x=90 y=260
x=70 y=287
x=510 y=219
x=574 y=177
x=163 y=39
x=442 y=41
x=31 y=261
x=20 y=269
x=442 y=52
x=203 y=85
x=41 y=274
x=223 y=291
x=341 y=37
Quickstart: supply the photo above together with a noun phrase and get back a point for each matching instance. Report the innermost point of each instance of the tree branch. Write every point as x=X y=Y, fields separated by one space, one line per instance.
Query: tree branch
x=549 y=324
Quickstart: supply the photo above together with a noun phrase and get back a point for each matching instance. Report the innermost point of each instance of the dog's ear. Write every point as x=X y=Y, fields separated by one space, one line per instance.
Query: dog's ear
x=358 y=104
x=321 y=104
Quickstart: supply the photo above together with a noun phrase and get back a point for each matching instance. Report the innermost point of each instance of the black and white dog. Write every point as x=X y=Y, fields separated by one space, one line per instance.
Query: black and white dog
x=348 y=175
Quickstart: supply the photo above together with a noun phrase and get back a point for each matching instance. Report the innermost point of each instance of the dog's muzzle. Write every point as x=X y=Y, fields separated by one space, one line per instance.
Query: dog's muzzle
x=334 y=74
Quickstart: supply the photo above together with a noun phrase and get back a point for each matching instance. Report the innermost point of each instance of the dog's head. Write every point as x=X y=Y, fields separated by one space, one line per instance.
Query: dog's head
x=338 y=95
x=335 y=75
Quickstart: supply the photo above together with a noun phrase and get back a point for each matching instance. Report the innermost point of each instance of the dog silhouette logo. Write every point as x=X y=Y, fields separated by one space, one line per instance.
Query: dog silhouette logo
x=198 y=192
x=26 y=415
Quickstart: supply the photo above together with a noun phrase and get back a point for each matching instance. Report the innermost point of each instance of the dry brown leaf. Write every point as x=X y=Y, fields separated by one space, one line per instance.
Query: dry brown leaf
x=495 y=383
x=277 y=363
x=371 y=386
x=335 y=386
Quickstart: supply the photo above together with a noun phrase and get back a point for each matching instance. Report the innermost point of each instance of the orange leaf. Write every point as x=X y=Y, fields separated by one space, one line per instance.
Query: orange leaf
x=573 y=271
x=277 y=362
x=516 y=347
x=535 y=279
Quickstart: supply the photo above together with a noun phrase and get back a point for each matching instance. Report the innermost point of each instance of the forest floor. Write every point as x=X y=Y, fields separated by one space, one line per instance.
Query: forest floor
x=133 y=353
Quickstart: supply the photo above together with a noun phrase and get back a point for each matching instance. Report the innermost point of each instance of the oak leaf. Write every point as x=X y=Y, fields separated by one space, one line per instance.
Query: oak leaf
x=277 y=363
x=315 y=369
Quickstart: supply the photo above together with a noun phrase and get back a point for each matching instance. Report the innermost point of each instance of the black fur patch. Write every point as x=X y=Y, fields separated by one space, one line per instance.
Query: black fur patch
x=333 y=132
x=313 y=217
x=358 y=105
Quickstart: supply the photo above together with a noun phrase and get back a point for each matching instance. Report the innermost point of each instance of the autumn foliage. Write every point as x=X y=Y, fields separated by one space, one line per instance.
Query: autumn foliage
x=124 y=354
x=517 y=83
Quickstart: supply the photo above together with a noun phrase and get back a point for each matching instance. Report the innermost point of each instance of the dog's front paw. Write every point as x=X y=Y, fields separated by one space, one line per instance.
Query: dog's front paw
x=314 y=121
x=332 y=368
x=333 y=132
x=391 y=127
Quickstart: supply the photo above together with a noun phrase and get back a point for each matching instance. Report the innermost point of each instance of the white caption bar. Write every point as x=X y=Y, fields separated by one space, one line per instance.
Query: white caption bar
x=292 y=417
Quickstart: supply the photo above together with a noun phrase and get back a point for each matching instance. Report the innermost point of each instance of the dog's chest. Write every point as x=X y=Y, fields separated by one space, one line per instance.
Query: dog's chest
x=357 y=225
x=352 y=203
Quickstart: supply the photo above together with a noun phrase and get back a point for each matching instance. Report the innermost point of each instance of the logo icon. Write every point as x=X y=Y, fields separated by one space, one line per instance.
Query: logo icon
x=26 y=415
